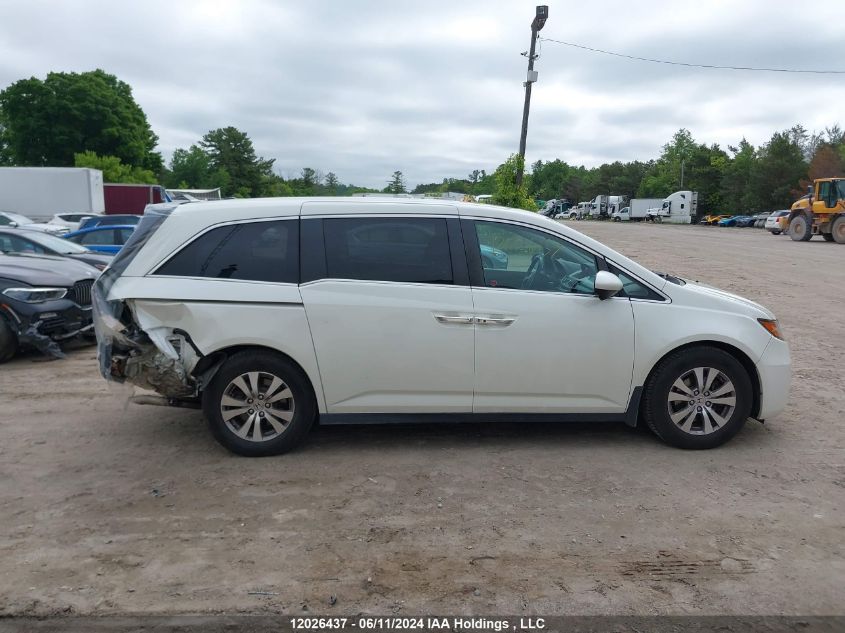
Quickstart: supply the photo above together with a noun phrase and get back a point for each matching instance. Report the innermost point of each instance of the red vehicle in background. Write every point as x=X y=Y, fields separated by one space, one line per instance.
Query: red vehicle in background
x=121 y=199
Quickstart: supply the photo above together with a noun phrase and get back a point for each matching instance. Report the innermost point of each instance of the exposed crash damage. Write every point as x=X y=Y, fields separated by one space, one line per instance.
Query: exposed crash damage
x=132 y=346
x=44 y=300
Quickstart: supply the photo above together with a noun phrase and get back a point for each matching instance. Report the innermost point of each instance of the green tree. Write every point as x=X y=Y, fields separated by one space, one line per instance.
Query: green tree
x=113 y=169
x=508 y=193
x=331 y=183
x=776 y=177
x=231 y=150
x=396 y=184
x=47 y=122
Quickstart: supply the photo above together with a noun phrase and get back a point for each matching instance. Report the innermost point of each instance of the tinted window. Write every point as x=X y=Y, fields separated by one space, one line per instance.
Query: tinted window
x=15 y=244
x=517 y=257
x=414 y=250
x=257 y=251
x=123 y=235
x=97 y=237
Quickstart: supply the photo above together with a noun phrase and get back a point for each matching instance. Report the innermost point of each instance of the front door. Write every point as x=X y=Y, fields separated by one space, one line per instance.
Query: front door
x=545 y=343
x=392 y=325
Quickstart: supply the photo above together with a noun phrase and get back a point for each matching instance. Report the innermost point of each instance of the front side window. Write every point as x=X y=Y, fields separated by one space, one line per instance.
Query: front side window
x=631 y=287
x=255 y=251
x=518 y=257
x=410 y=250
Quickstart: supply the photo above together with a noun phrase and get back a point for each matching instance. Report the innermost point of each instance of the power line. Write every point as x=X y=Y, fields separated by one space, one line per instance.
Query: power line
x=711 y=66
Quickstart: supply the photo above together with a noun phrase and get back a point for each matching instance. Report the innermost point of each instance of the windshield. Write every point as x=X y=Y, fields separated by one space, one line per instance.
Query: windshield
x=56 y=243
x=840 y=185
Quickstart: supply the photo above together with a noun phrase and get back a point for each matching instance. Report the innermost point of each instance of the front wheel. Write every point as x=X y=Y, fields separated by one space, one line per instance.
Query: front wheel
x=837 y=229
x=8 y=341
x=698 y=398
x=800 y=229
x=259 y=403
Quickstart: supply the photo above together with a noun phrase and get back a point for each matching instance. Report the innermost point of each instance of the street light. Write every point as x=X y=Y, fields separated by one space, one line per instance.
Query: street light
x=539 y=21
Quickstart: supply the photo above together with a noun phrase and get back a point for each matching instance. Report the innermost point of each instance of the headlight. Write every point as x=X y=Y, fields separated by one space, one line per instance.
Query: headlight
x=100 y=266
x=35 y=295
x=771 y=326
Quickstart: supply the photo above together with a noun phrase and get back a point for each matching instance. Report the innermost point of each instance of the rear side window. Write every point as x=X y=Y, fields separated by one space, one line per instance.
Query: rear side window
x=102 y=238
x=254 y=251
x=412 y=250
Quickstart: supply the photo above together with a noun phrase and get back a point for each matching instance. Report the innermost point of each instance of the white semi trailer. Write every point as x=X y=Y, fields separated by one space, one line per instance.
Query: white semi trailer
x=678 y=208
x=40 y=192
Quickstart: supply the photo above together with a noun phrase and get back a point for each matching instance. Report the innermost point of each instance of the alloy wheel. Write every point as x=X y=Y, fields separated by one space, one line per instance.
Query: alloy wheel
x=701 y=401
x=257 y=406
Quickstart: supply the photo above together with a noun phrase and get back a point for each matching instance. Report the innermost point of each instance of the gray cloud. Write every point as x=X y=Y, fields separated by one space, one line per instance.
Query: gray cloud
x=435 y=88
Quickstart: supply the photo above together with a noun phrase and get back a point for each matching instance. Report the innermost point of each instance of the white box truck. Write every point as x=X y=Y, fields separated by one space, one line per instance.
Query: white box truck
x=678 y=208
x=637 y=210
x=40 y=192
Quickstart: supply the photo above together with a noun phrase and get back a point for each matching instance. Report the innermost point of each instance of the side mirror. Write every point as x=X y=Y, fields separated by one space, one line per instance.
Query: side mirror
x=607 y=285
x=13 y=224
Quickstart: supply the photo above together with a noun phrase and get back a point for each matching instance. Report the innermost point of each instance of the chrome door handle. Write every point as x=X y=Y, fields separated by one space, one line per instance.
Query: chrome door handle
x=495 y=320
x=454 y=319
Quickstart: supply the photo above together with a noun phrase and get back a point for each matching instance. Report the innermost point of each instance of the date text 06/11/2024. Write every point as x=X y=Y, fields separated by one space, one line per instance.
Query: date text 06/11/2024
x=375 y=623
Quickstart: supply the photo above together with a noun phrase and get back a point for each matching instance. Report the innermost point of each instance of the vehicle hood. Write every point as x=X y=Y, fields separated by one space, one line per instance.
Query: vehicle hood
x=44 y=270
x=709 y=297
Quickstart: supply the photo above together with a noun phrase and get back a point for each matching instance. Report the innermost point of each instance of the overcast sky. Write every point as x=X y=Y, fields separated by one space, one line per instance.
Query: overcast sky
x=435 y=88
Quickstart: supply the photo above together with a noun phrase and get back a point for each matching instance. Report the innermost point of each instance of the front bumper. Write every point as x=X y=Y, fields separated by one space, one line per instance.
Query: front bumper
x=42 y=325
x=775 y=369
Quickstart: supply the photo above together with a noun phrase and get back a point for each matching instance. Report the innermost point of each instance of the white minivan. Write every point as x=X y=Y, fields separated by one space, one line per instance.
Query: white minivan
x=272 y=314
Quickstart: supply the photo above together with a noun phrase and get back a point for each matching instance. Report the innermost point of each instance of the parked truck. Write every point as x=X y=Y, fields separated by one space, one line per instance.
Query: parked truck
x=637 y=209
x=41 y=192
x=820 y=212
x=604 y=206
x=677 y=208
x=124 y=198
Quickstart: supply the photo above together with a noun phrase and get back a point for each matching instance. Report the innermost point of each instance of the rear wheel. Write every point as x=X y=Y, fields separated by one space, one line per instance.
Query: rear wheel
x=8 y=341
x=698 y=398
x=800 y=228
x=837 y=229
x=259 y=403
x=776 y=232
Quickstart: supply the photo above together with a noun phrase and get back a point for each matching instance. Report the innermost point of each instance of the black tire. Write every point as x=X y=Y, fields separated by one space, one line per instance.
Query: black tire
x=828 y=237
x=837 y=229
x=800 y=228
x=266 y=362
x=671 y=369
x=775 y=232
x=8 y=341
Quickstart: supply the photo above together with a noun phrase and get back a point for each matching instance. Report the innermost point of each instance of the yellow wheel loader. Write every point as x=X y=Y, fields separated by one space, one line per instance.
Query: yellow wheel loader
x=820 y=212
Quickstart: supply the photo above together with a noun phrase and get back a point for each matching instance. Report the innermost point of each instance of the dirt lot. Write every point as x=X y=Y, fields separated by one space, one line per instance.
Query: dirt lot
x=114 y=508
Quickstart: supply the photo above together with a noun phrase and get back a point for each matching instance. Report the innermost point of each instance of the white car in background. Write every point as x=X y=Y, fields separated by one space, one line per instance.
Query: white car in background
x=70 y=220
x=15 y=220
x=776 y=222
x=272 y=313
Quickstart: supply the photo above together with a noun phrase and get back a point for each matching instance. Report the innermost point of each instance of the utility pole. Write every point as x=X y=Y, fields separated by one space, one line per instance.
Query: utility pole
x=540 y=16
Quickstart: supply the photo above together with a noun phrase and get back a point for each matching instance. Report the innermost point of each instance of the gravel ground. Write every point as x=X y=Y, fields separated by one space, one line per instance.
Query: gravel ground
x=109 y=508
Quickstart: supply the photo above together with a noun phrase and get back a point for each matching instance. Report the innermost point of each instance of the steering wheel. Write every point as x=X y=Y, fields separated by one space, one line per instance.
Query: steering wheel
x=543 y=272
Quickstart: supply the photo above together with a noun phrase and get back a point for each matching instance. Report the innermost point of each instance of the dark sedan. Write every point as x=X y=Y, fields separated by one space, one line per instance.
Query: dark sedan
x=43 y=300
x=38 y=243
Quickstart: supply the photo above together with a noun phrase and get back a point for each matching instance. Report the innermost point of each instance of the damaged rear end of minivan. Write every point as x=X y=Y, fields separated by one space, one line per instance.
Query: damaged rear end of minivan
x=132 y=346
